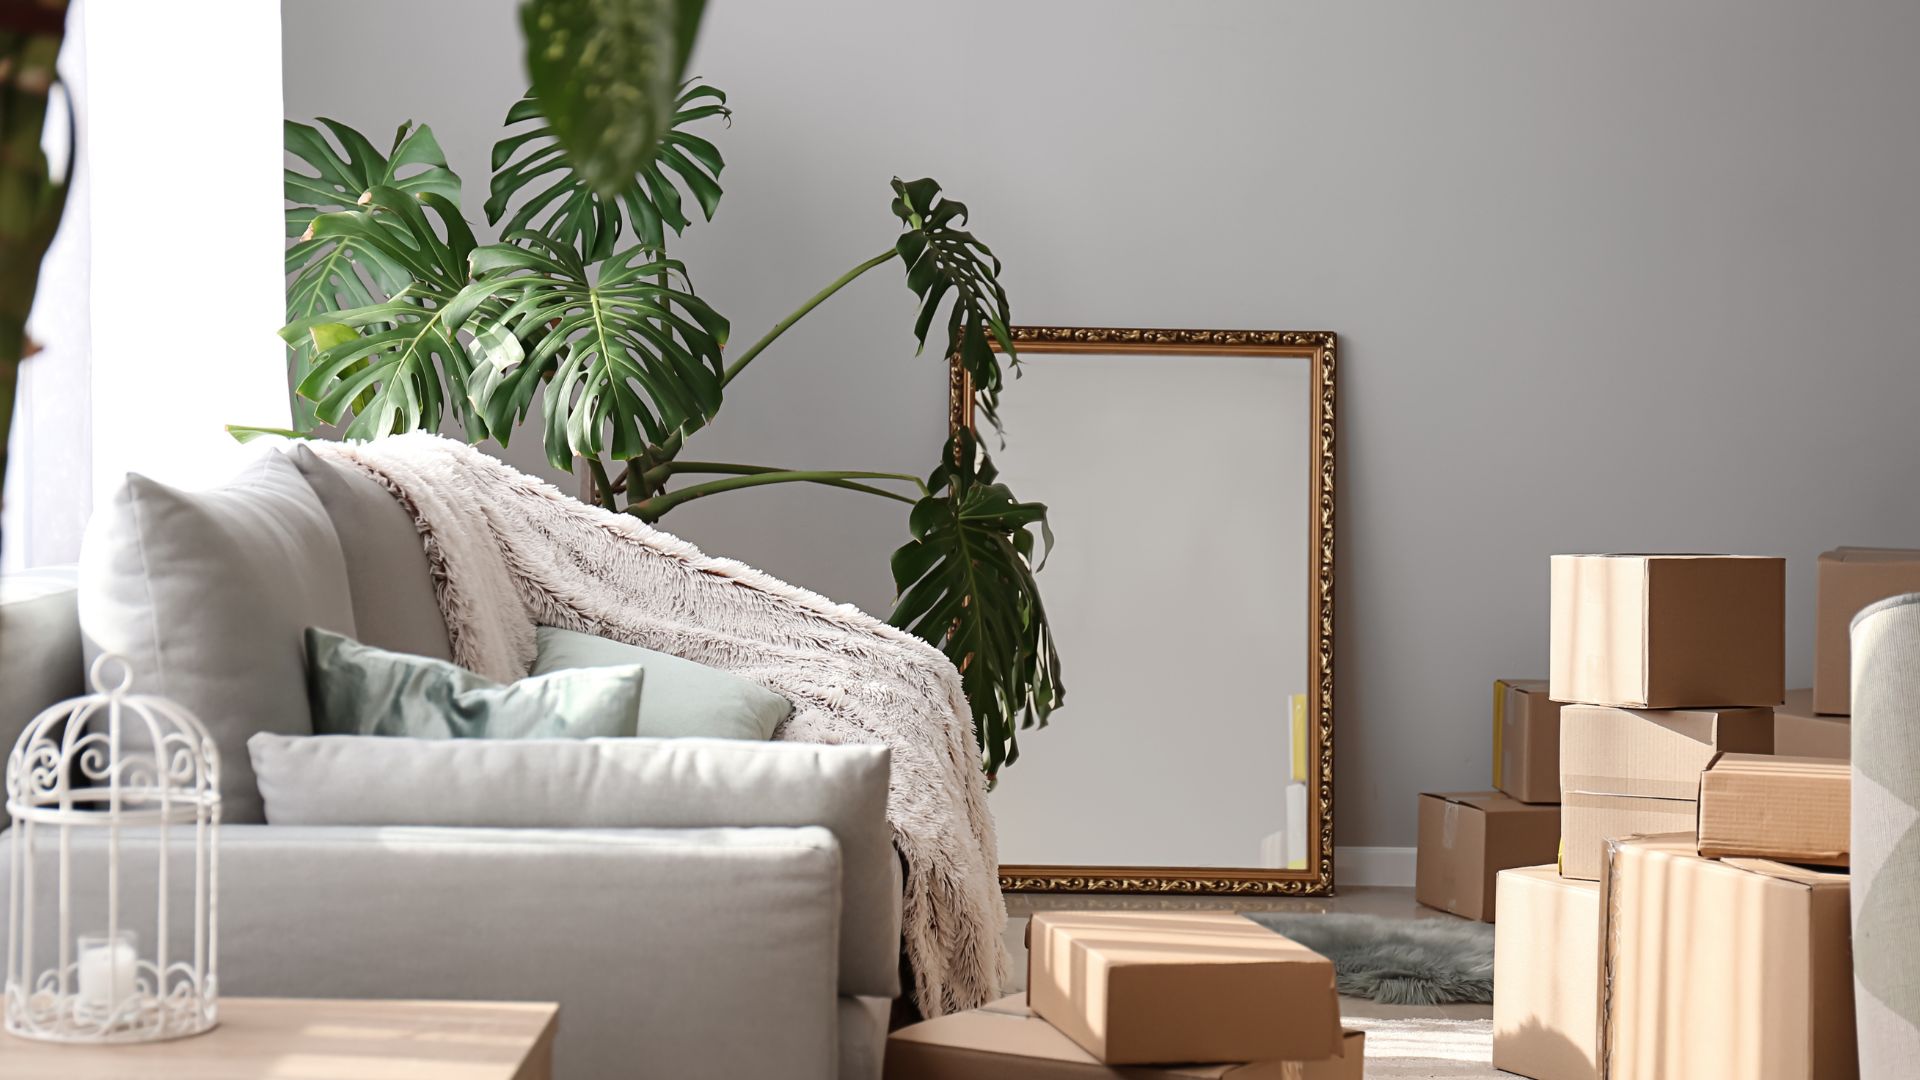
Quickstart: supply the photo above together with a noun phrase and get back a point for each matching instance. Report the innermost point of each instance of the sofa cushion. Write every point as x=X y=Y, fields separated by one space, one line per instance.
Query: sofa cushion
x=40 y=662
x=206 y=596
x=387 y=575
x=356 y=689
x=683 y=698
x=614 y=784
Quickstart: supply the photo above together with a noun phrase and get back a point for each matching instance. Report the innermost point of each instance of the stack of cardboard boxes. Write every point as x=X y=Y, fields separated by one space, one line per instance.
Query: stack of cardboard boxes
x=1692 y=925
x=1466 y=837
x=1111 y=994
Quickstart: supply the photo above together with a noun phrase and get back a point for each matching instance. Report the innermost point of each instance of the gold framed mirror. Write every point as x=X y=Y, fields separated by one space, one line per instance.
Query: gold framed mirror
x=1189 y=476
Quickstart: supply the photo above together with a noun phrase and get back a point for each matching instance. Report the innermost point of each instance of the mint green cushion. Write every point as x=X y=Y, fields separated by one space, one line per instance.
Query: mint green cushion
x=683 y=698
x=356 y=689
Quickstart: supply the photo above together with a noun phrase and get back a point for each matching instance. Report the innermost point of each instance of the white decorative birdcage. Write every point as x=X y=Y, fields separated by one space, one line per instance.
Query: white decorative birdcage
x=105 y=792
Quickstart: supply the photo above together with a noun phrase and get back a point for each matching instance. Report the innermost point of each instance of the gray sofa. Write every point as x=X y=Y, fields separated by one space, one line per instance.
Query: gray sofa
x=719 y=927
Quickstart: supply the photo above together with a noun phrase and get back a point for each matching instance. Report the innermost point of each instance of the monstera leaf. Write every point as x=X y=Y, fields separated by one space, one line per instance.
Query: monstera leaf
x=342 y=176
x=389 y=364
x=328 y=272
x=626 y=359
x=948 y=265
x=966 y=586
x=647 y=203
x=606 y=72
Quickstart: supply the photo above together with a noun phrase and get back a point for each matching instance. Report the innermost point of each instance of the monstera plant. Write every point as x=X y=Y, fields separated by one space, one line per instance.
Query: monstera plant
x=400 y=320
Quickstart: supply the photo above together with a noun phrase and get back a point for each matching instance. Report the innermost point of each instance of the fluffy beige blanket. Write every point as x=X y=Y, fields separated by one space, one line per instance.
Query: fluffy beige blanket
x=509 y=552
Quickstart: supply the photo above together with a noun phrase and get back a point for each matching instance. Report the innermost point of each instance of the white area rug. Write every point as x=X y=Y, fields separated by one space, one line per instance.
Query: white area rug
x=1427 y=1048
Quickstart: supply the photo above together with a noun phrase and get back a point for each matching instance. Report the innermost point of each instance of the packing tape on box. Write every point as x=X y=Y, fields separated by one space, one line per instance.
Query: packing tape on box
x=1449 y=825
x=1499 y=722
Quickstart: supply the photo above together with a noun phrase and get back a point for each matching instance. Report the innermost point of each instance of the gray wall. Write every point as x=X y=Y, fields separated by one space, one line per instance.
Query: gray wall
x=1609 y=276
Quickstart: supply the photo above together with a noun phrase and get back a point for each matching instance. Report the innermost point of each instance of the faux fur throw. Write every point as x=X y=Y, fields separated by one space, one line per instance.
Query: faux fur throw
x=509 y=552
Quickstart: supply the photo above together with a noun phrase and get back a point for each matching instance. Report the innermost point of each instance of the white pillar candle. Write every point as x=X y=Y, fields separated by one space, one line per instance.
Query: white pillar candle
x=107 y=970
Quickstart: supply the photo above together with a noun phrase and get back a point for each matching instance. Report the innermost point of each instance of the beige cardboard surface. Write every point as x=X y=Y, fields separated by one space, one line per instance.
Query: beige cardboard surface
x=1150 y=988
x=1466 y=837
x=1526 y=740
x=1732 y=969
x=1546 y=972
x=1587 y=822
x=1655 y=753
x=1798 y=731
x=1762 y=806
x=1006 y=1040
x=1850 y=578
x=1667 y=631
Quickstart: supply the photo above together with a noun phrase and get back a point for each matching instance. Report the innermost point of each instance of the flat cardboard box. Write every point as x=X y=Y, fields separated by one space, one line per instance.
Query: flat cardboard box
x=1006 y=1041
x=1653 y=753
x=1850 y=578
x=1588 y=821
x=1736 y=969
x=1668 y=631
x=1798 y=731
x=1546 y=975
x=1763 y=806
x=1467 y=837
x=1140 y=988
x=1526 y=740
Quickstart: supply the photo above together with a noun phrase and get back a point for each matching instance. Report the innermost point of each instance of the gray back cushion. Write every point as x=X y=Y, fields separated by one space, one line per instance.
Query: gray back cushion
x=40 y=661
x=614 y=784
x=393 y=602
x=207 y=595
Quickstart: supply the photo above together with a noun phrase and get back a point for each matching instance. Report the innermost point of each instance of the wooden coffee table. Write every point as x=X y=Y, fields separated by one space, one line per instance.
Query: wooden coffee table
x=298 y=1039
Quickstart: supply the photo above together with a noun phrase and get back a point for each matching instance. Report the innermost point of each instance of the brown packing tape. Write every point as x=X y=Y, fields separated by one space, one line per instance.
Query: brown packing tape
x=1499 y=724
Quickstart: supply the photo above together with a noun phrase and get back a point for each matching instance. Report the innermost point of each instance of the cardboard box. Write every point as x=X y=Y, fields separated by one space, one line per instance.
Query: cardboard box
x=1546 y=975
x=1466 y=837
x=1006 y=1041
x=1654 y=753
x=1850 y=578
x=1588 y=821
x=1736 y=969
x=1798 y=731
x=1795 y=810
x=1526 y=740
x=1135 y=988
x=1668 y=631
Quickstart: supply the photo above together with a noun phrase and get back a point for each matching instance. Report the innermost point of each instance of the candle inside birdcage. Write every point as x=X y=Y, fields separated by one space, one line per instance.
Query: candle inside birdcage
x=111 y=928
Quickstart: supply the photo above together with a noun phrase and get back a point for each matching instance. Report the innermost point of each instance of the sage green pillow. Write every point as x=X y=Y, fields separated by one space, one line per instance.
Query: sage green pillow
x=356 y=689
x=683 y=698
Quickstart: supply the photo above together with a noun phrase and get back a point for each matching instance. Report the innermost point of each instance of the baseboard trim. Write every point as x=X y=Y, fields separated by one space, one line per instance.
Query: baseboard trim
x=1373 y=866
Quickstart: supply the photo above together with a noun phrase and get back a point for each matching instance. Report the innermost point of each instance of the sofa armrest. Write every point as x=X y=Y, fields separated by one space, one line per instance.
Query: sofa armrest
x=672 y=952
x=614 y=783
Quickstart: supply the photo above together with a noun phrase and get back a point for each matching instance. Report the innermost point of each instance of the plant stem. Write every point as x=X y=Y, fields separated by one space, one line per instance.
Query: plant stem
x=676 y=468
x=818 y=298
x=603 y=486
x=759 y=476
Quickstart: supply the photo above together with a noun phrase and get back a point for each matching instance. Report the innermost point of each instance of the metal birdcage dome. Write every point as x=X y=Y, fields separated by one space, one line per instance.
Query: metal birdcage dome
x=106 y=792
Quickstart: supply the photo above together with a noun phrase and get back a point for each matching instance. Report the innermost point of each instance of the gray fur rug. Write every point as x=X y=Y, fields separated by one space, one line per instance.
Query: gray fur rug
x=1397 y=961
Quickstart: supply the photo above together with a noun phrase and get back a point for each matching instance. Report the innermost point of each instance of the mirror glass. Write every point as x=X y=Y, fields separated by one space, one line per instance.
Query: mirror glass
x=1181 y=486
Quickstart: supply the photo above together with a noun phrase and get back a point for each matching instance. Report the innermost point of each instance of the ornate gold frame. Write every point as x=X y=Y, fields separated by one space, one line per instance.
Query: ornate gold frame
x=1318 y=347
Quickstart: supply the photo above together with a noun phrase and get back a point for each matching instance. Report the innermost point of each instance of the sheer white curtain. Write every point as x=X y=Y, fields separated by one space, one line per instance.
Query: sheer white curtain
x=159 y=304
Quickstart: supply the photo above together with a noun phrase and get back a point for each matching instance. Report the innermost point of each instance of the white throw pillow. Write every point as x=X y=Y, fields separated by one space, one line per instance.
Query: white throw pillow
x=206 y=595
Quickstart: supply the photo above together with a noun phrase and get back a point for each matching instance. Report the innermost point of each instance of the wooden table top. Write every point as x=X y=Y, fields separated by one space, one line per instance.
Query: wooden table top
x=301 y=1039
